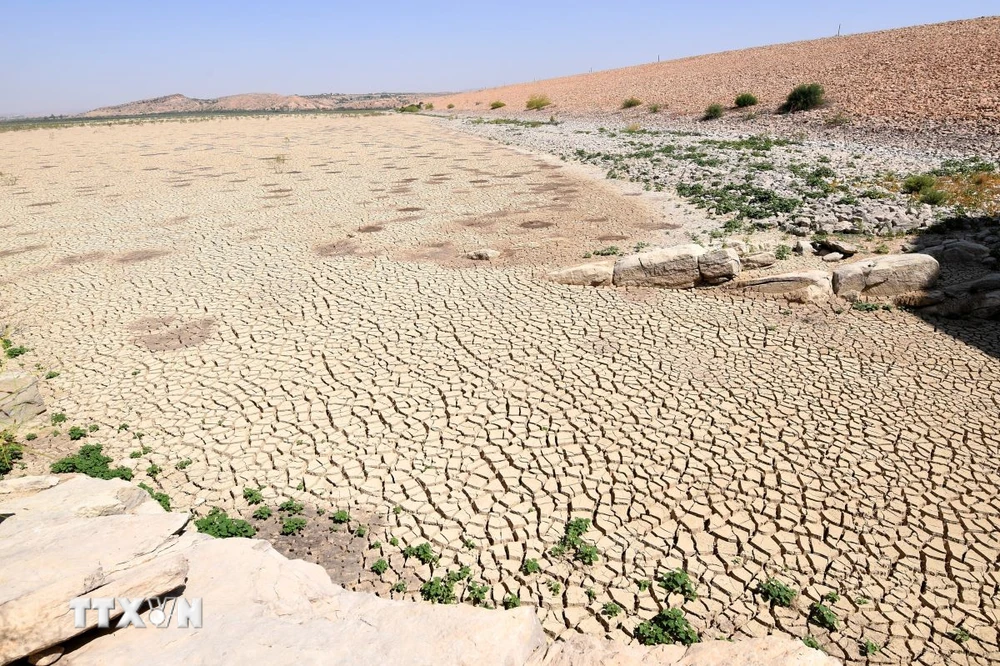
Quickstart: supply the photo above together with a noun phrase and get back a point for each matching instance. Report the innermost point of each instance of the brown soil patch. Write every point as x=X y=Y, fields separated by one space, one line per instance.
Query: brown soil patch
x=141 y=255
x=169 y=334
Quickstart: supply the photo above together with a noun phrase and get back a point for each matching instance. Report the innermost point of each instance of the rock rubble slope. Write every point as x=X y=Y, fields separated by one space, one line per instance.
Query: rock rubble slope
x=74 y=536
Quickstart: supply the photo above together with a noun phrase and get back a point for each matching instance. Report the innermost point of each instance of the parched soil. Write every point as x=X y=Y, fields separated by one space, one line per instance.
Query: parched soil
x=941 y=72
x=290 y=345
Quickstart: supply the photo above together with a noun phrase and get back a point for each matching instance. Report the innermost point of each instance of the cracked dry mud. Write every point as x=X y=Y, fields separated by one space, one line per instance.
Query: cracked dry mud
x=309 y=325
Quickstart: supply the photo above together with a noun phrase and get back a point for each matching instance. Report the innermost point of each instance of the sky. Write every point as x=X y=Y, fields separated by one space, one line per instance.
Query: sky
x=69 y=56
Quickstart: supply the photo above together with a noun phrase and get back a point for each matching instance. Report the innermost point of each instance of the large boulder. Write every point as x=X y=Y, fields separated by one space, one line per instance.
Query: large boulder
x=886 y=276
x=842 y=247
x=675 y=267
x=719 y=266
x=798 y=287
x=958 y=252
x=20 y=400
x=595 y=274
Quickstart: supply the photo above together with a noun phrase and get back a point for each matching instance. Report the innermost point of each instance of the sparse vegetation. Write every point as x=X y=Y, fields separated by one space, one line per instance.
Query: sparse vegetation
x=960 y=635
x=744 y=100
x=530 y=567
x=669 y=626
x=340 y=517
x=782 y=252
x=811 y=642
x=497 y=105
x=262 y=513
x=511 y=601
x=868 y=647
x=76 y=433
x=380 y=567
x=10 y=452
x=451 y=106
x=572 y=540
x=713 y=112
x=91 y=461
x=58 y=418
x=221 y=526
x=477 y=593
x=252 y=495
x=654 y=108
x=746 y=200
x=631 y=103
x=291 y=507
x=162 y=498
x=537 y=102
x=804 y=98
x=611 y=609
x=409 y=108
x=823 y=616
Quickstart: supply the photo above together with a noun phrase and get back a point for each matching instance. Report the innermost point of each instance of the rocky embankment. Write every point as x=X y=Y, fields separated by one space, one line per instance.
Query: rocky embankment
x=72 y=536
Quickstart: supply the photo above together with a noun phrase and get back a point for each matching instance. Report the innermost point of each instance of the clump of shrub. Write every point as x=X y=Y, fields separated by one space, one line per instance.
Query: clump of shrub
x=744 y=100
x=918 y=183
x=291 y=507
x=221 y=526
x=782 y=252
x=803 y=98
x=10 y=452
x=340 y=517
x=252 y=496
x=537 y=102
x=713 y=112
x=823 y=616
x=429 y=107
x=76 y=433
x=477 y=593
x=451 y=106
x=776 y=592
x=380 y=567
x=667 y=627
x=409 y=108
x=262 y=513
x=631 y=103
x=654 y=108
x=90 y=461
x=678 y=581
x=423 y=552
x=497 y=105
x=293 y=525
x=933 y=197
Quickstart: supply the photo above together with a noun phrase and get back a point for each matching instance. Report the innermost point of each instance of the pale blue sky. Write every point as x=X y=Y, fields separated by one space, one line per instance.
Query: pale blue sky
x=64 y=56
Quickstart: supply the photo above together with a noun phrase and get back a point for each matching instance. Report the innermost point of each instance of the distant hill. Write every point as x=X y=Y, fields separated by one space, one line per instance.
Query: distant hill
x=258 y=102
x=945 y=71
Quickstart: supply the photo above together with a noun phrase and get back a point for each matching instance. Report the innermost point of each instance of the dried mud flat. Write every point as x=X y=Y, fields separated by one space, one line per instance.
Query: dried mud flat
x=285 y=303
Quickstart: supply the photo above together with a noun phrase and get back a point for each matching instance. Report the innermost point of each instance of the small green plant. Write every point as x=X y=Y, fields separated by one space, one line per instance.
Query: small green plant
x=573 y=540
x=933 y=197
x=864 y=306
x=51 y=374
x=631 y=103
x=530 y=567
x=340 y=517
x=554 y=587
x=645 y=584
x=394 y=541
x=423 y=552
x=361 y=531
x=960 y=635
x=291 y=507
x=122 y=427
x=609 y=251
x=776 y=593
x=654 y=108
x=713 y=112
x=397 y=510
x=221 y=526
x=438 y=591
x=811 y=642
x=13 y=352
x=380 y=567
x=511 y=601
x=611 y=609
x=293 y=525
x=468 y=543
x=58 y=418
x=669 y=626
x=399 y=586
x=162 y=498
x=832 y=597
x=678 y=581
x=861 y=601
x=477 y=593
x=537 y=102
x=262 y=513
x=591 y=594
x=153 y=470
x=744 y=100
x=10 y=452
x=76 y=433
x=918 y=183
x=823 y=616
x=375 y=545
x=804 y=98
x=30 y=437
x=868 y=647
x=782 y=252
x=184 y=464
x=252 y=496
x=429 y=106
x=881 y=248
x=90 y=461
x=93 y=427
x=451 y=106
x=497 y=105
x=135 y=454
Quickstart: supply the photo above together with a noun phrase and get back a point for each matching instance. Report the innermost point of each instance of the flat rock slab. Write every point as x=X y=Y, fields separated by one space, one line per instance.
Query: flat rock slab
x=20 y=399
x=886 y=276
x=674 y=267
x=594 y=274
x=799 y=287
